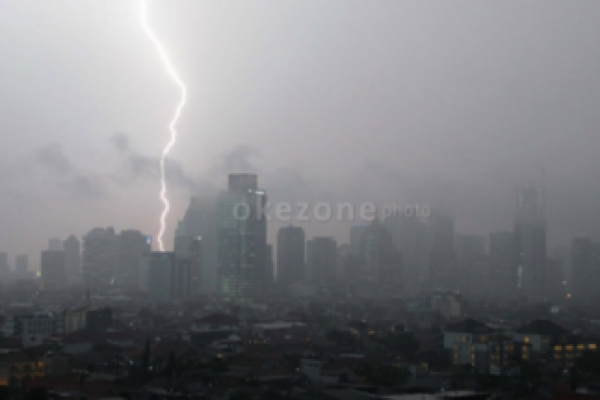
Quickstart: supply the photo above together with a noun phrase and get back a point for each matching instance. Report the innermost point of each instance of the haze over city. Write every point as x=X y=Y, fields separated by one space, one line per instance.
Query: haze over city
x=411 y=102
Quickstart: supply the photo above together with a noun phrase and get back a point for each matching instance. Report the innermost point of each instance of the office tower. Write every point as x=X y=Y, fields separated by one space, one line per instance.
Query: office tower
x=188 y=250
x=321 y=259
x=585 y=259
x=530 y=242
x=380 y=272
x=472 y=265
x=269 y=266
x=411 y=237
x=21 y=266
x=55 y=244
x=503 y=272
x=72 y=249
x=241 y=239
x=132 y=244
x=52 y=270
x=165 y=277
x=356 y=233
x=290 y=255
x=442 y=262
x=4 y=266
x=156 y=275
x=200 y=220
x=99 y=257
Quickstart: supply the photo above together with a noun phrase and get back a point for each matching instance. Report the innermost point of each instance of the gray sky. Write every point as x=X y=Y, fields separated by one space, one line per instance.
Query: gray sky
x=430 y=102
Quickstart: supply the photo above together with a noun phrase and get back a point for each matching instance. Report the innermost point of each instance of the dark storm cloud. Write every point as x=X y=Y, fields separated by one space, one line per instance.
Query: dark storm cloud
x=138 y=166
x=52 y=156
x=240 y=159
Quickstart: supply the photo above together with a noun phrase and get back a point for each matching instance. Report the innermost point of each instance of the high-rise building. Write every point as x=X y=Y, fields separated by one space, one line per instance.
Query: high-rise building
x=52 y=270
x=189 y=252
x=242 y=239
x=321 y=258
x=356 y=234
x=200 y=221
x=442 y=262
x=72 y=249
x=21 y=266
x=99 y=257
x=290 y=255
x=530 y=242
x=411 y=237
x=132 y=244
x=4 y=266
x=472 y=265
x=503 y=272
x=585 y=259
x=380 y=273
x=165 y=277
x=55 y=244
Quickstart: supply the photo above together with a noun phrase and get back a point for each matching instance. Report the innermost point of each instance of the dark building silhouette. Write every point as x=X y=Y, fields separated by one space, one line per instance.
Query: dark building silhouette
x=530 y=242
x=411 y=237
x=585 y=259
x=72 y=249
x=291 y=266
x=52 y=270
x=200 y=221
x=21 y=266
x=321 y=259
x=131 y=246
x=472 y=265
x=442 y=262
x=100 y=319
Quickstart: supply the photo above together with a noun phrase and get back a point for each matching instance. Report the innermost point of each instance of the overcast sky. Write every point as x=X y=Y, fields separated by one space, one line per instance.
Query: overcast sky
x=442 y=103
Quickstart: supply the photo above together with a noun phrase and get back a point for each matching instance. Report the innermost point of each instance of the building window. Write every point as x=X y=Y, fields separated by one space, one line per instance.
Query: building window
x=527 y=339
x=592 y=346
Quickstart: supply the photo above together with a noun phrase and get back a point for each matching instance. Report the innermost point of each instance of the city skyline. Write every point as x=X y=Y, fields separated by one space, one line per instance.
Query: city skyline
x=457 y=113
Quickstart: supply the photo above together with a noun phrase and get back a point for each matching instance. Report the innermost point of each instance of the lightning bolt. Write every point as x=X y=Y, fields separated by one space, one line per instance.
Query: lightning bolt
x=173 y=132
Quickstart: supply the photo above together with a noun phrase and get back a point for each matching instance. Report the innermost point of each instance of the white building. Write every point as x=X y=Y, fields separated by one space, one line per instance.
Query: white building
x=33 y=328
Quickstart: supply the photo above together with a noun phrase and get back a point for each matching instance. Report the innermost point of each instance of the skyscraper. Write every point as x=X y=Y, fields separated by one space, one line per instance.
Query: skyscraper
x=132 y=244
x=321 y=258
x=442 y=262
x=242 y=239
x=473 y=265
x=4 y=266
x=530 y=242
x=188 y=251
x=21 y=266
x=72 y=249
x=290 y=255
x=585 y=258
x=200 y=221
x=380 y=273
x=411 y=237
x=99 y=258
x=52 y=270
x=55 y=244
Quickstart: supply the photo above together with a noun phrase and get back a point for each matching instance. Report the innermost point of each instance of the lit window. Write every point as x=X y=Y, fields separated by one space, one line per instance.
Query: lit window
x=569 y=347
x=581 y=347
x=558 y=348
x=527 y=340
x=592 y=346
